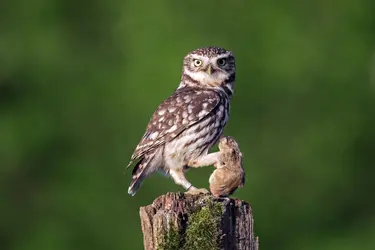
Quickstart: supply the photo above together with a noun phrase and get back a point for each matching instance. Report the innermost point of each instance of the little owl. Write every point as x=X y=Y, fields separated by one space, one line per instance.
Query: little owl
x=189 y=122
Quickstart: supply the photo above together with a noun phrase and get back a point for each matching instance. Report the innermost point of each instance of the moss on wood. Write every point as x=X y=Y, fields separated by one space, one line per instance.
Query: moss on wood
x=204 y=227
x=203 y=230
x=172 y=240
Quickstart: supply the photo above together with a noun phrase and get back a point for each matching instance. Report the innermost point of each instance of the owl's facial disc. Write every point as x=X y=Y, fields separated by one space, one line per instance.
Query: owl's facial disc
x=208 y=71
x=210 y=67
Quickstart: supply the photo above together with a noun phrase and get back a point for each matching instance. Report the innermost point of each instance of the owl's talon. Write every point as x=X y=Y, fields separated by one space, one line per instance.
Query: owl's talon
x=196 y=191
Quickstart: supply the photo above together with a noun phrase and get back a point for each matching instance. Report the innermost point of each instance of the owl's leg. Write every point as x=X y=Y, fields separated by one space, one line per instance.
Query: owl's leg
x=205 y=160
x=179 y=178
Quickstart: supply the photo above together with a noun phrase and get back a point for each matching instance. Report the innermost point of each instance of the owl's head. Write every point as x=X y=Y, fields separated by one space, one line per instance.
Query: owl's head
x=210 y=67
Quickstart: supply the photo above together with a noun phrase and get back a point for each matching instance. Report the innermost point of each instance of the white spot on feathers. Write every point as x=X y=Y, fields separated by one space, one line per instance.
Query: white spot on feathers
x=154 y=135
x=173 y=128
x=202 y=113
x=161 y=112
x=171 y=109
x=190 y=108
x=187 y=98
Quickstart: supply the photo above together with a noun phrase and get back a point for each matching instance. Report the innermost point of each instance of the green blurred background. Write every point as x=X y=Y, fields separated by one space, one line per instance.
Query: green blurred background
x=79 y=81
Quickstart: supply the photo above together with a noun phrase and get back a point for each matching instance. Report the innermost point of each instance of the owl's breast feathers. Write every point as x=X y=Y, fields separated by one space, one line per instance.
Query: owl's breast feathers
x=186 y=107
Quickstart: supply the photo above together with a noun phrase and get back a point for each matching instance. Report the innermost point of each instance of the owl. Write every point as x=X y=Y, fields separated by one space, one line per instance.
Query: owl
x=188 y=123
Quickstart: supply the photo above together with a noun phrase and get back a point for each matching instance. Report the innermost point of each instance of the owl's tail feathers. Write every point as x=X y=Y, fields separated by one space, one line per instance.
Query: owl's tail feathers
x=126 y=171
x=140 y=171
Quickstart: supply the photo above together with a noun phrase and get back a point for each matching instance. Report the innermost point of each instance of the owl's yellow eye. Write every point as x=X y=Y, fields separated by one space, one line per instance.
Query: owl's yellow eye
x=221 y=62
x=197 y=62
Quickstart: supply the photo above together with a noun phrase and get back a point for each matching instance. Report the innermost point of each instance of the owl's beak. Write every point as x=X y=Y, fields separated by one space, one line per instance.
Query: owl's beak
x=209 y=70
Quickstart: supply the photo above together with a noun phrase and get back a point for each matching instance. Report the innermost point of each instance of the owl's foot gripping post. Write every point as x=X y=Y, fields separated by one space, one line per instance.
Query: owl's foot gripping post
x=196 y=191
x=180 y=179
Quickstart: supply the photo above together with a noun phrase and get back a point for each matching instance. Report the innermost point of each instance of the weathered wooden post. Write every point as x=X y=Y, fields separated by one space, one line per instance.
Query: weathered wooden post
x=183 y=221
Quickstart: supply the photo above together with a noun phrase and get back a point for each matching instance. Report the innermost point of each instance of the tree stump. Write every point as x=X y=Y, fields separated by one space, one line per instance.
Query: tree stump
x=184 y=221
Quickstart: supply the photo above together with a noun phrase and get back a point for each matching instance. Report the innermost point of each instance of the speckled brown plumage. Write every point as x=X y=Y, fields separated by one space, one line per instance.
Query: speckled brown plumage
x=189 y=122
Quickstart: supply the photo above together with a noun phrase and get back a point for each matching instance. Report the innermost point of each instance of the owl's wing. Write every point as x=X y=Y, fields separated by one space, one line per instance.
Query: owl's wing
x=178 y=112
